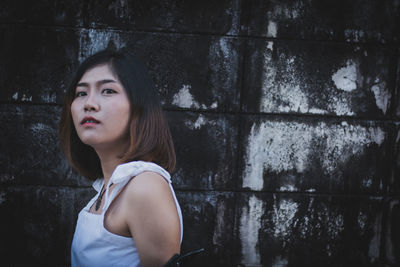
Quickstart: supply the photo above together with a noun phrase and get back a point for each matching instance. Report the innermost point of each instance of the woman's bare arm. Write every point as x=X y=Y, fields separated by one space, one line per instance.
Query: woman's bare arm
x=152 y=218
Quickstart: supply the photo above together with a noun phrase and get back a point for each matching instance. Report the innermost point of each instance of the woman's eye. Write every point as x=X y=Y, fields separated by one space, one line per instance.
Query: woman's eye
x=78 y=94
x=108 y=91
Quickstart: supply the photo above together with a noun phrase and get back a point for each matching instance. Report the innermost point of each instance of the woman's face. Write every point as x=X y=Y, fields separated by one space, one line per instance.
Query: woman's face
x=101 y=109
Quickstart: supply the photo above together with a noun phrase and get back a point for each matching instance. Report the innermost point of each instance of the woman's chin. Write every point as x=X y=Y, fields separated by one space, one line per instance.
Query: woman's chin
x=93 y=142
x=98 y=145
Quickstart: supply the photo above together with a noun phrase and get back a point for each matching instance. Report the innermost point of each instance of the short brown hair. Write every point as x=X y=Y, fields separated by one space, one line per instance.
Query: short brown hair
x=150 y=137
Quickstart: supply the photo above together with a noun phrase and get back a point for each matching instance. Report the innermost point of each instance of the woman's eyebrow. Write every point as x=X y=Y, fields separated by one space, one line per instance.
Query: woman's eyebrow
x=98 y=83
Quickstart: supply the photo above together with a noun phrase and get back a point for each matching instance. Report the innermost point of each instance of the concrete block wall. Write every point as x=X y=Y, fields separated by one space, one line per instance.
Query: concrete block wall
x=285 y=117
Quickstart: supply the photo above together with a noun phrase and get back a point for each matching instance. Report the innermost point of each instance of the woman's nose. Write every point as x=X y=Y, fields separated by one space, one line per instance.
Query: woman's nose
x=91 y=103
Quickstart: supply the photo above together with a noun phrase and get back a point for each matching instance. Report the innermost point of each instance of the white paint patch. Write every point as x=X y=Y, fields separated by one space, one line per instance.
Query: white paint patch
x=321 y=222
x=382 y=95
x=223 y=44
x=291 y=97
x=272 y=29
x=283 y=90
x=354 y=35
x=184 y=99
x=38 y=127
x=283 y=217
x=288 y=188
x=277 y=147
x=317 y=111
x=340 y=106
x=367 y=182
x=93 y=40
x=286 y=146
x=335 y=225
x=15 y=96
x=49 y=97
x=201 y=121
x=311 y=190
x=26 y=98
x=2 y=197
x=304 y=227
x=250 y=224
x=346 y=141
x=253 y=174
x=270 y=46
x=346 y=77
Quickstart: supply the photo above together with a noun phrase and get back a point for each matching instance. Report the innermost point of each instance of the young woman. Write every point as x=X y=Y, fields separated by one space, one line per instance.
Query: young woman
x=113 y=131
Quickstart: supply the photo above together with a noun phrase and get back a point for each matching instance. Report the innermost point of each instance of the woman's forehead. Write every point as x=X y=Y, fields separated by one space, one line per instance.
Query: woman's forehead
x=97 y=73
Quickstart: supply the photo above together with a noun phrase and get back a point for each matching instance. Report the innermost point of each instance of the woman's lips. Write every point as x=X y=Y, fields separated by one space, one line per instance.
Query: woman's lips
x=89 y=124
x=89 y=121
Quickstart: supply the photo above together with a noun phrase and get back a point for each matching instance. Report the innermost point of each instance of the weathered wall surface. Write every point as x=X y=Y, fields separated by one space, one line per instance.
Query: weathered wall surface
x=285 y=117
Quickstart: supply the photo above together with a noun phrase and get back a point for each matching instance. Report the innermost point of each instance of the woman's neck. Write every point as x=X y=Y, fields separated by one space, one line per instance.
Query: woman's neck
x=109 y=155
x=109 y=161
x=108 y=166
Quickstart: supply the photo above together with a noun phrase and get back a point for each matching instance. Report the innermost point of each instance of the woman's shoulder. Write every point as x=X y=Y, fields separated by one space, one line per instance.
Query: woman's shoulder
x=147 y=185
x=148 y=196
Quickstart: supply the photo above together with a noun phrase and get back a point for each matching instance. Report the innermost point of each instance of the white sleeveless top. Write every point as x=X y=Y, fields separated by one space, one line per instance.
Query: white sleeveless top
x=93 y=244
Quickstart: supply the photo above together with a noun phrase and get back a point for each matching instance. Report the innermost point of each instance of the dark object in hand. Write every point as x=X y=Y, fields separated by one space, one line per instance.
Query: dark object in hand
x=181 y=260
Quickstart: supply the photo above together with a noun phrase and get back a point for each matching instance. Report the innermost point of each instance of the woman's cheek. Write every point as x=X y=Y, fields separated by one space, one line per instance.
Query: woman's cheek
x=73 y=113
